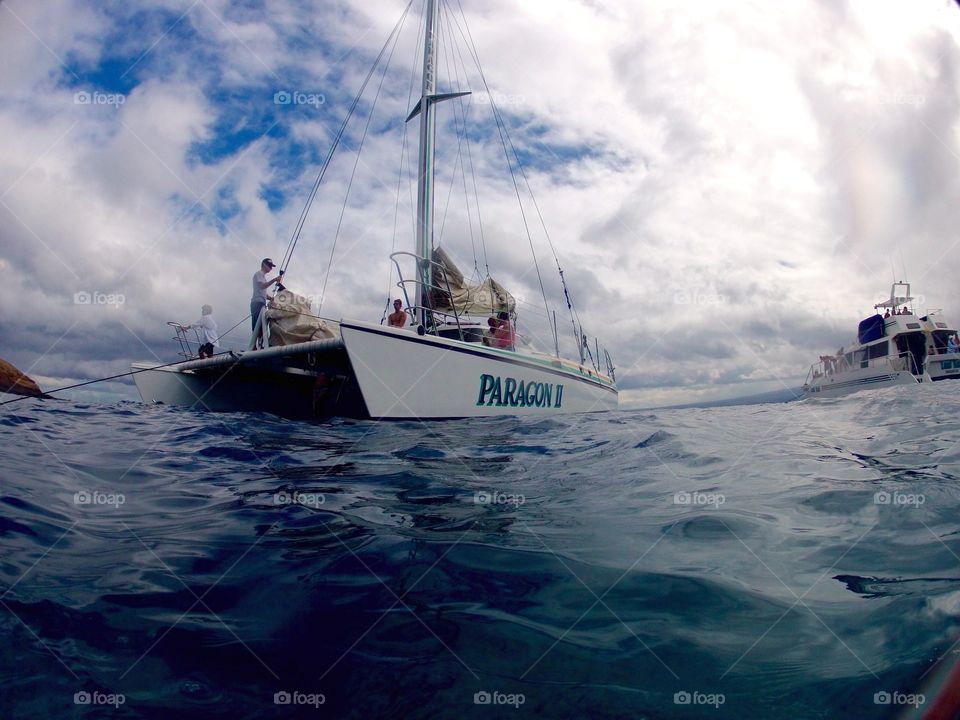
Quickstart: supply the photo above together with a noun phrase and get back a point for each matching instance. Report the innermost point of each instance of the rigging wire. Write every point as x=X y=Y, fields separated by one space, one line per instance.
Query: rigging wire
x=462 y=104
x=500 y=131
x=91 y=382
x=442 y=53
x=396 y=218
x=298 y=228
x=578 y=334
x=410 y=164
x=404 y=154
x=473 y=172
x=356 y=163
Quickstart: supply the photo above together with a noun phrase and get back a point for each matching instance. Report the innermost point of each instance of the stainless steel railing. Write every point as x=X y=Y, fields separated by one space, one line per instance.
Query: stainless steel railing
x=181 y=337
x=415 y=309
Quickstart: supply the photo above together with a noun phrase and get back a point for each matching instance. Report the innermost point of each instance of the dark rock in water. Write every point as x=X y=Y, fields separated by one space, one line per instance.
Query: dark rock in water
x=15 y=382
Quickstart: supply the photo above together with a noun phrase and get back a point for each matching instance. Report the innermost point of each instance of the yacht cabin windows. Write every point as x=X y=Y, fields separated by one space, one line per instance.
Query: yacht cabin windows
x=879 y=350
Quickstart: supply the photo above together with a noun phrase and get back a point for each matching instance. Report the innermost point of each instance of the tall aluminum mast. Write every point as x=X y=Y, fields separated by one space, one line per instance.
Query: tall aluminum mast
x=427 y=111
x=425 y=168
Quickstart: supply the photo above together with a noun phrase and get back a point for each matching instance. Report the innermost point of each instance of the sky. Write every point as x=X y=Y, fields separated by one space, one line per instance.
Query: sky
x=729 y=187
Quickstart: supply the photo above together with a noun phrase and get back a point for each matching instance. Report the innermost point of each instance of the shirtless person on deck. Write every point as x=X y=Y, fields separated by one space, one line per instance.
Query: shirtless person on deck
x=398 y=318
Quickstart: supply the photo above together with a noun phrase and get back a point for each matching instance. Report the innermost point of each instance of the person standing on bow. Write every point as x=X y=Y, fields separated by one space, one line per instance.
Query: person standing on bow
x=260 y=294
x=208 y=335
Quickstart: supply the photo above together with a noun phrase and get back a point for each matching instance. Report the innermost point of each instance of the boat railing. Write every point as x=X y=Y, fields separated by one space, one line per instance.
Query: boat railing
x=261 y=331
x=415 y=309
x=439 y=318
x=182 y=337
x=831 y=365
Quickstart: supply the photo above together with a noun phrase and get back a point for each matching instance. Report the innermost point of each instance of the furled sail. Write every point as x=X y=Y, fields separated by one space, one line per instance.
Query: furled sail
x=485 y=298
x=292 y=320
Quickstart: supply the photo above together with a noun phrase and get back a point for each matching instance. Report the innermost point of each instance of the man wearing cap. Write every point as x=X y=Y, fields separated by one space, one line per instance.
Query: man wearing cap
x=260 y=294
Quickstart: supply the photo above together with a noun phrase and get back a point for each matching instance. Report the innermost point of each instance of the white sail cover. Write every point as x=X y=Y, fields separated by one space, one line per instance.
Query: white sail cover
x=292 y=320
x=485 y=298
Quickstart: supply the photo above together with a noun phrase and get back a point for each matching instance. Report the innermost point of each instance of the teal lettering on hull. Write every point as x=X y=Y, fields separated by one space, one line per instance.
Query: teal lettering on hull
x=496 y=391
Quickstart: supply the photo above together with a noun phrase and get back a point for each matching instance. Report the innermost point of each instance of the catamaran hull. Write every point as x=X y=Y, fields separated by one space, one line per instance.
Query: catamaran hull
x=403 y=375
x=377 y=372
x=303 y=385
x=841 y=384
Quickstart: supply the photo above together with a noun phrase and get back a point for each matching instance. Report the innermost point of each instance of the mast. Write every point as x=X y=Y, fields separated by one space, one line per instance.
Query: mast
x=425 y=167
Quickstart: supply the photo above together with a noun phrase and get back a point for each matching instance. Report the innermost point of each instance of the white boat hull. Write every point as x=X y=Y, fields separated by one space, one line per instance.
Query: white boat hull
x=379 y=372
x=404 y=375
x=844 y=383
x=301 y=381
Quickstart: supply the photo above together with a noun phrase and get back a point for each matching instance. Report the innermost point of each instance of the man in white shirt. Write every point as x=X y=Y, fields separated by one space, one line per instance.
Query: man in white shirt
x=260 y=294
x=208 y=332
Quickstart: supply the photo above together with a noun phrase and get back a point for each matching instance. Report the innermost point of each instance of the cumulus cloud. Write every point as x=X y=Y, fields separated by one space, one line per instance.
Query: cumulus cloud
x=728 y=187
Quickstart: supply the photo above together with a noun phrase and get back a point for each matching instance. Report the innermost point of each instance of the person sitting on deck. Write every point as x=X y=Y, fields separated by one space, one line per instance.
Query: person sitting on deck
x=208 y=327
x=398 y=318
x=886 y=314
x=504 y=337
x=905 y=311
x=491 y=331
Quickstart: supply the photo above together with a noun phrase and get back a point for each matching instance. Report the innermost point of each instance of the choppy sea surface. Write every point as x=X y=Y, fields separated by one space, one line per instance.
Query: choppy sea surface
x=791 y=560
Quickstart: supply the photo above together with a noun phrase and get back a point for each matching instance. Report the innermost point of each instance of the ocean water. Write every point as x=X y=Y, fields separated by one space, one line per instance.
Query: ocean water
x=793 y=560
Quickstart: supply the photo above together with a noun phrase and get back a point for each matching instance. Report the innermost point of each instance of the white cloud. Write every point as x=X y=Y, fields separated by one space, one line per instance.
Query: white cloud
x=754 y=171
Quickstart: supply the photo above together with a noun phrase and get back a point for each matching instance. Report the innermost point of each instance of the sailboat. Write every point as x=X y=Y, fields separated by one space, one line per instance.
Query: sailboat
x=440 y=365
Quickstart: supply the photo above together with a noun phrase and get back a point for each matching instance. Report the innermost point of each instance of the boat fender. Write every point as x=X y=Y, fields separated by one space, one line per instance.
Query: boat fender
x=420 y=330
